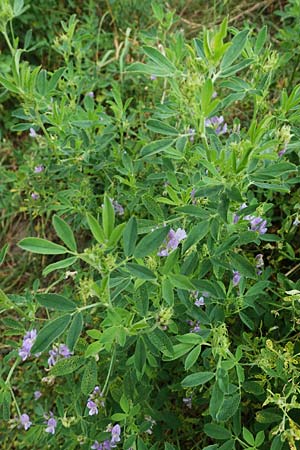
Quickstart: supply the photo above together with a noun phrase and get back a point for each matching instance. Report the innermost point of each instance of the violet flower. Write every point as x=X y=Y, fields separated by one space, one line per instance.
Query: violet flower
x=90 y=94
x=95 y=400
x=37 y=395
x=217 y=123
x=32 y=133
x=195 y=326
x=35 y=196
x=28 y=341
x=296 y=222
x=153 y=77
x=282 y=152
x=115 y=435
x=188 y=402
x=57 y=353
x=93 y=409
x=39 y=169
x=192 y=133
x=117 y=207
x=259 y=263
x=236 y=277
x=51 y=424
x=172 y=241
x=25 y=421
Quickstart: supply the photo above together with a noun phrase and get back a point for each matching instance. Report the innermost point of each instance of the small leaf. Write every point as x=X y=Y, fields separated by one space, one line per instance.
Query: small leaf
x=108 y=216
x=159 y=59
x=195 y=379
x=216 y=431
x=197 y=233
x=181 y=282
x=151 y=242
x=66 y=366
x=140 y=272
x=237 y=46
x=65 y=233
x=59 y=265
x=89 y=379
x=130 y=236
x=42 y=246
x=74 y=331
x=96 y=229
x=192 y=357
x=140 y=355
x=156 y=147
x=50 y=332
x=162 y=128
x=57 y=302
x=3 y=253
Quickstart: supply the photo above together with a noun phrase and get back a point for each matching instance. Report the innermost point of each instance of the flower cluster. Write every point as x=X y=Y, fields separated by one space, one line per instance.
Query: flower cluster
x=236 y=277
x=39 y=169
x=191 y=132
x=25 y=421
x=58 y=352
x=195 y=326
x=109 y=443
x=28 y=341
x=218 y=124
x=256 y=223
x=172 y=241
x=117 y=207
x=259 y=263
x=188 y=402
x=32 y=133
x=95 y=400
x=152 y=422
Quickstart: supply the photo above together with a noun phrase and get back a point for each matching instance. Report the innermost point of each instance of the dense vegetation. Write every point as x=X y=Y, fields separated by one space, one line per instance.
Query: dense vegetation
x=150 y=212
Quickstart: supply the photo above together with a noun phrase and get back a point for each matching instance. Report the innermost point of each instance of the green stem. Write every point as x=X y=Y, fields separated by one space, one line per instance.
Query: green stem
x=12 y=50
x=11 y=371
x=109 y=370
x=15 y=401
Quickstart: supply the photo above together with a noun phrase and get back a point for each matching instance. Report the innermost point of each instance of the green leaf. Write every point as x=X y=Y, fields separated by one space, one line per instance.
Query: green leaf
x=181 y=281
x=260 y=40
x=242 y=264
x=65 y=233
x=248 y=436
x=74 y=330
x=156 y=147
x=161 y=341
x=42 y=246
x=247 y=321
x=140 y=272
x=192 y=357
x=160 y=60
x=206 y=96
x=59 y=265
x=89 y=379
x=93 y=349
x=151 y=242
x=195 y=379
x=192 y=210
x=216 y=431
x=57 y=302
x=130 y=236
x=3 y=253
x=162 y=128
x=108 y=216
x=66 y=366
x=237 y=46
x=96 y=229
x=9 y=85
x=197 y=233
x=115 y=235
x=167 y=291
x=50 y=332
x=140 y=355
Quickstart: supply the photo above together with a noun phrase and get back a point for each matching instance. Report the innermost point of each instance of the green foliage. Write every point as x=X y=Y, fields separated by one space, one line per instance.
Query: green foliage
x=165 y=170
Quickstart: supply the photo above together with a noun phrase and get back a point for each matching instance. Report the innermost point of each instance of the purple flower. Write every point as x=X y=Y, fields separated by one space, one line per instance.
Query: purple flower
x=57 y=352
x=117 y=207
x=35 y=196
x=258 y=224
x=192 y=194
x=195 y=326
x=217 y=123
x=115 y=435
x=296 y=222
x=28 y=342
x=90 y=94
x=32 y=133
x=97 y=446
x=215 y=94
x=39 y=169
x=282 y=152
x=153 y=77
x=191 y=132
x=236 y=277
x=199 y=302
x=259 y=263
x=172 y=242
x=51 y=424
x=25 y=422
x=188 y=402
x=93 y=409
x=37 y=395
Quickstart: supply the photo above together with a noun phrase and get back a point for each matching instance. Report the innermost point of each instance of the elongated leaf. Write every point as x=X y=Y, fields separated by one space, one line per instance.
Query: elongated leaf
x=108 y=216
x=181 y=282
x=140 y=355
x=63 y=230
x=59 y=265
x=162 y=128
x=130 y=236
x=156 y=147
x=141 y=272
x=242 y=264
x=159 y=59
x=42 y=246
x=116 y=235
x=151 y=242
x=167 y=291
x=57 y=302
x=50 y=332
x=197 y=233
x=89 y=379
x=195 y=379
x=96 y=229
x=67 y=365
x=192 y=357
x=74 y=330
x=216 y=431
x=237 y=46
x=3 y=253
